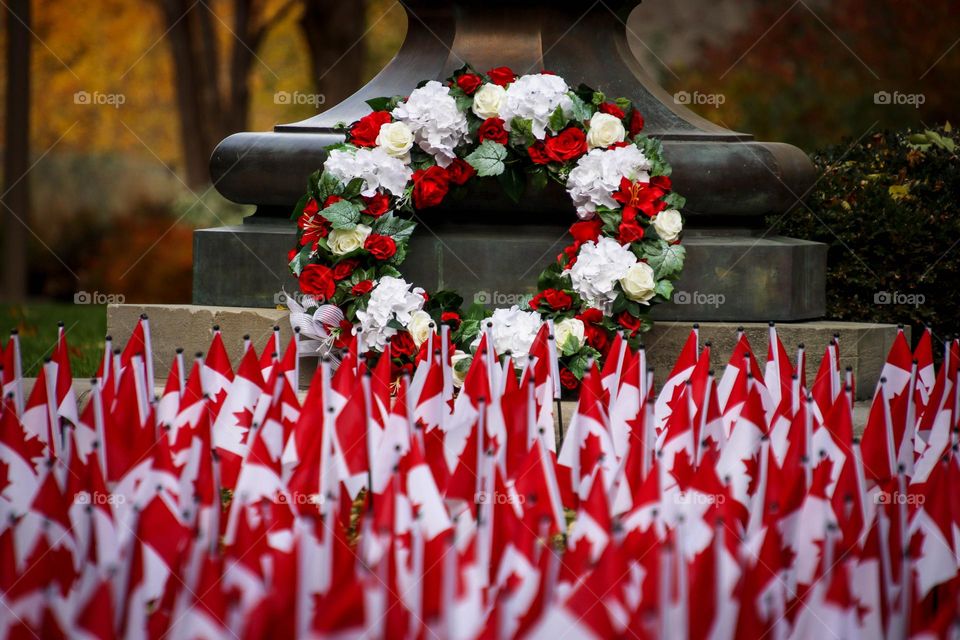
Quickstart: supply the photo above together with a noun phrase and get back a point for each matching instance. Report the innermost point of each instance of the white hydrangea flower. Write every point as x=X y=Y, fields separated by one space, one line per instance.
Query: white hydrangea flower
x=535 y=97
x=373 y=165
x=513 y=330
x=599 y=266
x=391 y=299
x=437 y=124
x=597 y=177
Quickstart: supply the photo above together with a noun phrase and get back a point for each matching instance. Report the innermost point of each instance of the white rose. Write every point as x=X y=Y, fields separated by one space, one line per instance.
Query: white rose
x=604 y=131
x=419 y=327
x=343 y=241
x=668 y=224
x=638 y=283
x=460 y=372
x=396 y=139
x=569 y=335
x=487 y=100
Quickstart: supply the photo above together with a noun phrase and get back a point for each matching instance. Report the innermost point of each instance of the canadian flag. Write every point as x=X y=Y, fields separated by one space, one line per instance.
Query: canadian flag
x=673 y=386
x=235 y=419
x=588 y=444
x=11 y=376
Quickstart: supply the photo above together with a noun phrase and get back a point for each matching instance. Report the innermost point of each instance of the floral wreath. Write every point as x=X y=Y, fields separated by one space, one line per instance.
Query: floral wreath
x=409 y=152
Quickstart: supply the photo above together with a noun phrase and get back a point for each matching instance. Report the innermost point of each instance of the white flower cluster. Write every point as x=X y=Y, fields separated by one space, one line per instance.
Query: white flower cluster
x=598 y=268
x=375 y=166
x=597 y=177
x=391 y=299
x=437 y=124
x=535 y=97
x=513 y=330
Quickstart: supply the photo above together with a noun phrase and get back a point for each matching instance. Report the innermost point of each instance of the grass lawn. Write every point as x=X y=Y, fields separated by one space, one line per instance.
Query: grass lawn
x=37 y=324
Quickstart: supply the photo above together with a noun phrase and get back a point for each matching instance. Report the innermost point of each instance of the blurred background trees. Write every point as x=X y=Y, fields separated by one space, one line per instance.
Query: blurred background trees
x=127 y=100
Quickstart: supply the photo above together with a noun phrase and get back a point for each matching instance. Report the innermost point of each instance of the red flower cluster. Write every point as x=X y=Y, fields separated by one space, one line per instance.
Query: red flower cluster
x=501 y=76
x=430 y=185
x=639 y=197
x=380 y=247
x=493 y=129
x=593 y=331
x=554 y=299
x=364 y=131
x=583 y=231
x=569 y=144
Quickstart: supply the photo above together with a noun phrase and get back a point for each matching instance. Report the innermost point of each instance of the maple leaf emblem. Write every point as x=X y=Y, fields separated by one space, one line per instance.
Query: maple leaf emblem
x=244 y=420
x=682 y=470
x=751 y=467
x=4 y=475
x=590 y=454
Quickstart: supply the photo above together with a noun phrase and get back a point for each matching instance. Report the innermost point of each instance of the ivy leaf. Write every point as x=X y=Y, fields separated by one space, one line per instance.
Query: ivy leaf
x=512 y=181
x=343 y=214
x=666 y=259
x=521 y=132
x=488 y=158
x=300 y=260
x=390 y=225
x=581 y=110
x=664 y=289
x=558 y=120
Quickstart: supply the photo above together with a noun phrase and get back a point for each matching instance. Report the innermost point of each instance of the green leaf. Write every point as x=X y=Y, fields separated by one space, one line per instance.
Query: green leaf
x=300 y=260
x=675 y=201
x=538 y=178
x=624 y=104
x=558 y=120
x=400 y=255
x=380 y=104
x=664 y=289
x=342 y=215
x=464 y=102
x=298 y=209
x=390 y=225
x=353 y=188
x=512 y=181
x=610 y=218
x=597 y=98
x=327 y=185
x=581 y=110
x=521 y=132
x=488 y=158
x=666 y=259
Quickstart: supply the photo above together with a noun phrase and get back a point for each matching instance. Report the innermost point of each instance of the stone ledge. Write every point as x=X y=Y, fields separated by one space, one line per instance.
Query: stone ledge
x=863 y=345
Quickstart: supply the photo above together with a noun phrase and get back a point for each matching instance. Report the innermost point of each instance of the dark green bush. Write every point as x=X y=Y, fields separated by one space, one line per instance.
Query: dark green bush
x=888 y=206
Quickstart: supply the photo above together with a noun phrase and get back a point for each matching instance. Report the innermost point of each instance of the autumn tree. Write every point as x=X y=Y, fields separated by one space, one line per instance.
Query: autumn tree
x=16 y=152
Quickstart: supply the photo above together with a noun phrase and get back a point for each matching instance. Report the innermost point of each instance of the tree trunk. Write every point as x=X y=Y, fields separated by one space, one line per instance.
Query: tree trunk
x=334 y=32
x=16 y=155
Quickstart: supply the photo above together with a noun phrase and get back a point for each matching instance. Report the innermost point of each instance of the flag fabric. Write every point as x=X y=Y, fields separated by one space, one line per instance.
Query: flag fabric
x=379 y=507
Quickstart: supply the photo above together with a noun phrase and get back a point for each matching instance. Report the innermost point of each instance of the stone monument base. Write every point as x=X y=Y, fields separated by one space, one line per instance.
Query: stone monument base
x=729 y=274
x=863 y=346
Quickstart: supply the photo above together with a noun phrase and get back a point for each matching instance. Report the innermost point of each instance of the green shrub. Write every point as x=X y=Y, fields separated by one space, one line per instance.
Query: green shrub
x=888 y=206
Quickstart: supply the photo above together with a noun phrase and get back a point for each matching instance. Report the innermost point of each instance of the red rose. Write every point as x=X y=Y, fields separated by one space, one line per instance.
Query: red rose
x=331 y=200
x=364 y=131
x=586 y=230
x=611 y=109
x=636 y=122
x=469 y=82
x=311 y=207
x=382 y=247
x=501 y=76
x=629 y=322
x=591 y=316
x=567 y=379
x=401 y=344
x=317 y=280
x=568 y=144
x=459 y=171
x=492 y=129
x=558 y=300
x=538 y=153
x=430 y=186
x=376 y=205
x=361 y=288
x=344 y=268
x=452 y=318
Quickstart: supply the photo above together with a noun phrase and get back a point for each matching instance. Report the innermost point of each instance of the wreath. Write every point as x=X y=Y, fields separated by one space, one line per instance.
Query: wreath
x=354 y=221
